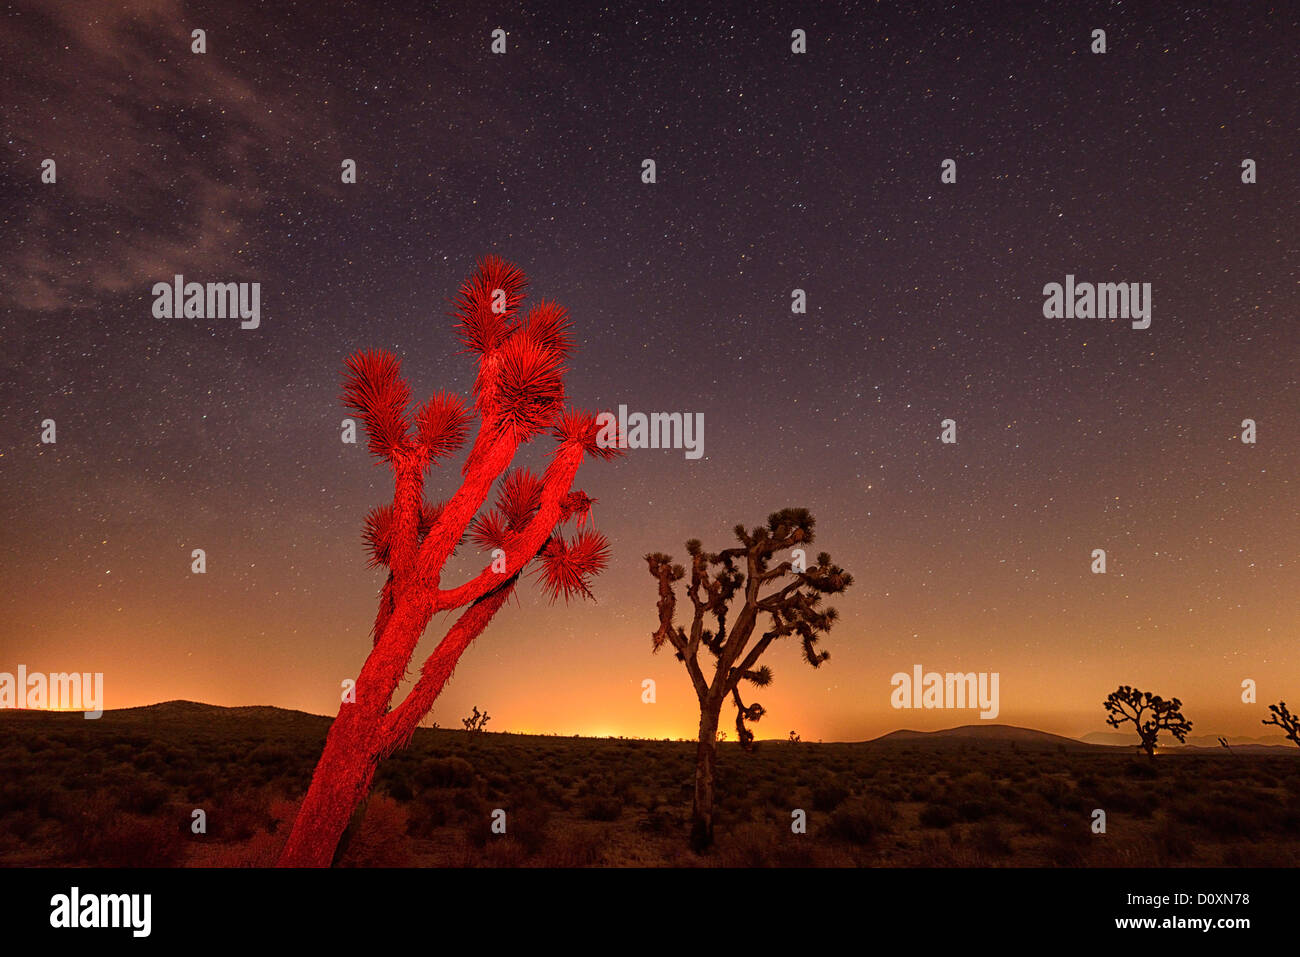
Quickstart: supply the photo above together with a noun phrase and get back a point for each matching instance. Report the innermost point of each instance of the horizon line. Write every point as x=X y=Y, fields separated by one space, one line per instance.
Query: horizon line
x=1261 y=741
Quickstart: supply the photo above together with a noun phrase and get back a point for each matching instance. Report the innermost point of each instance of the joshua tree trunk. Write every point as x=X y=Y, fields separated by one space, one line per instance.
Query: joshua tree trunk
x=361 y=737
x=365 y=731
x=342 y=780
x=706 y=759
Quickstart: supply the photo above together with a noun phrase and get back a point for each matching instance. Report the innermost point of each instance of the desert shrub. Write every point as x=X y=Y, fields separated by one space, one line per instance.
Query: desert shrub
x=381 y=839
x=202 y=784
x=625 y=782
x=1226 y=815
x=601 y=807
x=1237 y=821
x=793 y=853
x=150 y=760
x=430 y=811
x=398 y=787
x=236 y=815
x=938 y=815
x=748 y=845
x=102 y=835
x=935 y=851
x=743 y=809
x=179 y=775
x=989 y=838
x=38 y=743
x=261 y=850
x=1068 y=849
x=143 y=795
x=20 y=824
x=1238 y=855
x=547 y=791
x=656 y=822
x=46 y=800
x=452 y=772
x=478 y=826
x=499 y=853
x=594 y=784
x=975 y=782
x=576 y=847
x=1172 y=842
x=862 y=821
x=829 y=796
x=1057 y=792
x=527 y=822
x=1138 y=802
x=13 y=798
x=1144 y=770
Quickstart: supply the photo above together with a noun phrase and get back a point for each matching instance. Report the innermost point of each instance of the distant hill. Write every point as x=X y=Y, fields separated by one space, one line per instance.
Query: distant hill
x=208 y=721
x=1194 y=742
x=992 y=736
x=188 y=710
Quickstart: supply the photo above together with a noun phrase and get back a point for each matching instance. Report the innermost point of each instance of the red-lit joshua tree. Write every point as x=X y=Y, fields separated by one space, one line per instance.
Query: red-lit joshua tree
x=519 y=395
x=787 y=595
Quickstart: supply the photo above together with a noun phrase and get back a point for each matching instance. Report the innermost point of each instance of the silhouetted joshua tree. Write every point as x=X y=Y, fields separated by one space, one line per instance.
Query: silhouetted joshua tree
x=794 y=737
x=1284 y=719
x=476 y=721
x=1149 y=713
x=518 y=396
x=788 y=593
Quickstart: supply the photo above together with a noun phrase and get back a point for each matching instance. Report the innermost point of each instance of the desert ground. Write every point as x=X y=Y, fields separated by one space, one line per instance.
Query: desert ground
x=122 y=791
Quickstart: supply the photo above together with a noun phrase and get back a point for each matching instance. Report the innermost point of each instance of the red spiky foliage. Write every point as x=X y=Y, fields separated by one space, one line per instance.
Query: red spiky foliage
x=518 y=396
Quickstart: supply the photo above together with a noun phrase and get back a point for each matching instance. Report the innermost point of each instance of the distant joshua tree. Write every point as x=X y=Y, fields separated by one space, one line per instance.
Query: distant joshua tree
x=1284 y=719
x=791 y=597
x=794 y=736
x=476 y=721
x=518 y=396
x=1149 y=713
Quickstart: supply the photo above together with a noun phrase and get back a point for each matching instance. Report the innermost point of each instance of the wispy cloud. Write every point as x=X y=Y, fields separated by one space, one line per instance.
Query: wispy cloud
x=163 y=155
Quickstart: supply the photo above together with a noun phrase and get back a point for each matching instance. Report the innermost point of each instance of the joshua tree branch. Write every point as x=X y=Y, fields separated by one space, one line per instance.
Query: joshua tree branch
x=401 y=722
x=1284 y=719
x=460 y=510
x=528 y=543
x=752 y=658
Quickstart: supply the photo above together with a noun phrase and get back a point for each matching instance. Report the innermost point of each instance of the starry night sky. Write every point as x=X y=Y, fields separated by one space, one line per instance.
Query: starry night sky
x=775 y=171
